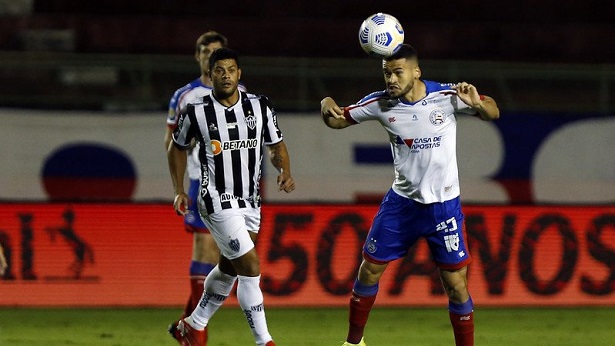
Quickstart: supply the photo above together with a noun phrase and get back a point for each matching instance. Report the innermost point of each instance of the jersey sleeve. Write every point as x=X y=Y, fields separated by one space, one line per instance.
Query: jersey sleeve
x=175 y=105
x=179 y=101
x=459 y=106
x=366 y=109
x=185 y=129
x=462 y=108
x=271 y=131
x=172 y=114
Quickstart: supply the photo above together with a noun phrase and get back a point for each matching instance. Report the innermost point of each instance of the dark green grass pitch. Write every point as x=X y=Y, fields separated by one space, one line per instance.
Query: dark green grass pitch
x=310 y=327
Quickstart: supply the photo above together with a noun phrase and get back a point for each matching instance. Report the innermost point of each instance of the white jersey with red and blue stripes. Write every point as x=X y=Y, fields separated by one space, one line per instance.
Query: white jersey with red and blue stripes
x=423 y=139
x=181 y=98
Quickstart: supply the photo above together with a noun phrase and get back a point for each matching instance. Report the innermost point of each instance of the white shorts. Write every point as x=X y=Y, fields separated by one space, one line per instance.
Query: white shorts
x=231 y=229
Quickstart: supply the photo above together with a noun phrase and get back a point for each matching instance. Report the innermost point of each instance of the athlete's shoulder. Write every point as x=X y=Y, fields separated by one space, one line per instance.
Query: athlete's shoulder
x=186 y=88
x=432 y=87
x=196 y=95
x=179 y=93
x=374 y=96
x=250 y=97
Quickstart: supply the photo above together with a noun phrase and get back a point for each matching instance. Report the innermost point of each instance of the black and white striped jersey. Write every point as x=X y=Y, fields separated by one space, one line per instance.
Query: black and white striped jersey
x=232 y=141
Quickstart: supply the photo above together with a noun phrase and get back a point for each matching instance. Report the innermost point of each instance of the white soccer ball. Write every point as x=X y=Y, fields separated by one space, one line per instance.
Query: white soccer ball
x=381 y=35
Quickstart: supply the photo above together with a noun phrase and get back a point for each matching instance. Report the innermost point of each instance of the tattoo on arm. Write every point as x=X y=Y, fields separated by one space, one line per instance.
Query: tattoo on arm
x=276 y=158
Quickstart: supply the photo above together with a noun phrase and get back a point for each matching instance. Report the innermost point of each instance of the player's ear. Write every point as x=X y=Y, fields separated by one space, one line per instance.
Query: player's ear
x=417 y=72
x=238 y=74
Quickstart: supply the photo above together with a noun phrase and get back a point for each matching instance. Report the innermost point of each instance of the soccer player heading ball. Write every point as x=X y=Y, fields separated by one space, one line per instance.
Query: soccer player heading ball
x=423 y=202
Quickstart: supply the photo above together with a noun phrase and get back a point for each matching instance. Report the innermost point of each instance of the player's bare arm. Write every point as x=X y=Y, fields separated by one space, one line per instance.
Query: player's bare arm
x=177 y=167
x=167 y=137
x=484 y=105
x=281 y=161
x=332 y=114
x=488 y=109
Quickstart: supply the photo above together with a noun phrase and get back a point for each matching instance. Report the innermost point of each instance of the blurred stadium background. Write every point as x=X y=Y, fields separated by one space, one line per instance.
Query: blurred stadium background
x=84 y=189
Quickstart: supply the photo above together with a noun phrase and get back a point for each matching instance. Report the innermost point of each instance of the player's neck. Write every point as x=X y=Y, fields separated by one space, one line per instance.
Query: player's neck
x=418 y=91
x=206 y=80
x=227 y=100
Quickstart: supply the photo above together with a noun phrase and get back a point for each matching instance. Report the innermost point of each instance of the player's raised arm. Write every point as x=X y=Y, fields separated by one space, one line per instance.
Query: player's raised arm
x=332 y=114
x=484 y=105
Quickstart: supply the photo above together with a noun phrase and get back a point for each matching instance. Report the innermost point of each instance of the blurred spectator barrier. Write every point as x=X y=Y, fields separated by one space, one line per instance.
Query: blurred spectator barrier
x=523 y=158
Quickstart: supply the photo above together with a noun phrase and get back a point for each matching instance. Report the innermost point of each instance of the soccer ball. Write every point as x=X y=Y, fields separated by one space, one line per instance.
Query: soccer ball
x=381 y=35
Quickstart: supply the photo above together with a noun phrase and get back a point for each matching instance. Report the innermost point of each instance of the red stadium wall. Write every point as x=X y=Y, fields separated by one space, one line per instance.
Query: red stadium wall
x=138 y=254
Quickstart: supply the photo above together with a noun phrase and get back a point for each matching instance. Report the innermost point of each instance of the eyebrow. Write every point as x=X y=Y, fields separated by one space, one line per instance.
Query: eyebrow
x=393 y=69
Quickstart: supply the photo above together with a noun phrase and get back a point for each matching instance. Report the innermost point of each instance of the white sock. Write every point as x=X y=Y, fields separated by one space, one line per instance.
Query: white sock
x=250 y=299
x=218 y=286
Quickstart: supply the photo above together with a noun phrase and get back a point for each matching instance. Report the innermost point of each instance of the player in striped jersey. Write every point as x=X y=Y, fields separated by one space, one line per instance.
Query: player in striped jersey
x=205 y=252
x=233 y=129
x=420 y=119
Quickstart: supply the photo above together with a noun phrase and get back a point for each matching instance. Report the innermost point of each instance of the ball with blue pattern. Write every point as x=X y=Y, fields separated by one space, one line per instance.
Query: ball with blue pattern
x=381 y=35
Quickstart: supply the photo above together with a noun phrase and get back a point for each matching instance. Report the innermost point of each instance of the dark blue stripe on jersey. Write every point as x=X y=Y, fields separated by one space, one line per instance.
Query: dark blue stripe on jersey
x=212 y=126
x=233 y=132
x=372 y=154
x=248 y=111
x=432 y=86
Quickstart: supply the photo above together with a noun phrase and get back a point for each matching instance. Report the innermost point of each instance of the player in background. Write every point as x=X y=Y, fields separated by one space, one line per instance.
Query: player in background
x=233 y=129
x=205 y=253
x=424 y=200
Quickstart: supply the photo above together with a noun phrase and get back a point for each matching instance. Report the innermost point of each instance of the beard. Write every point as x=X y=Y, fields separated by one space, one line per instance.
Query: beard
x=398 y=92
x=222 y=92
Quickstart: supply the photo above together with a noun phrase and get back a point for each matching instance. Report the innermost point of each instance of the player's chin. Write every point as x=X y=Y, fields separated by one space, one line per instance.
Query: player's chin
x=394 y=92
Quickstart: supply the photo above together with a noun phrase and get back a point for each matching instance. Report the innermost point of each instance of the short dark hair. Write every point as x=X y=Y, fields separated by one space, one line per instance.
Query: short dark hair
x=209 y=37
x=406 y=51
x=223 y=54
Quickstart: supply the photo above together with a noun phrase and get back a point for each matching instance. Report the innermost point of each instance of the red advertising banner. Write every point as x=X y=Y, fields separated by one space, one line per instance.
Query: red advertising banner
x=138 y=255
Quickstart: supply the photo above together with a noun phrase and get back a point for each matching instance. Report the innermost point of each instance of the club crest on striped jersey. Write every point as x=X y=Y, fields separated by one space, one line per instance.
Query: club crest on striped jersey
x=250 y=120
